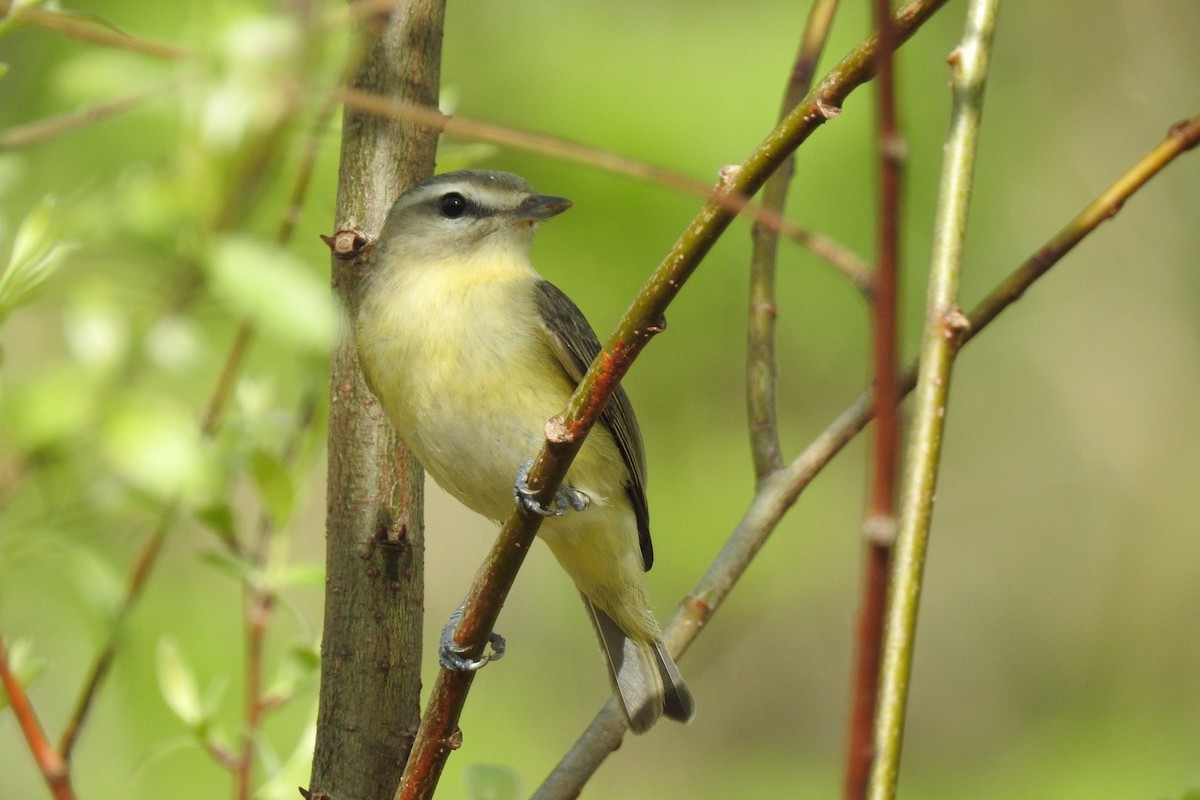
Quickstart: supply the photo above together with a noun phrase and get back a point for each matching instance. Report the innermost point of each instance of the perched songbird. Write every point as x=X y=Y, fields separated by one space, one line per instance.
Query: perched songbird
x=470 y=351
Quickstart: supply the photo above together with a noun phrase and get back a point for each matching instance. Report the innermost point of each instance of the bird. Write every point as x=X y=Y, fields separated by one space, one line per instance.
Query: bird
x=470 y=351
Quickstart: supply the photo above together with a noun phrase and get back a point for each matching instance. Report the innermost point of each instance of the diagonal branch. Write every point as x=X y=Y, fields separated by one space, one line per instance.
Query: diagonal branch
x=779 y=492
x=51 y=763
x=438 y=733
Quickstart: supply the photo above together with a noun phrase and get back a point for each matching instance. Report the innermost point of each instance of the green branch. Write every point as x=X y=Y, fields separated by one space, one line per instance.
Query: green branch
x=944 y=323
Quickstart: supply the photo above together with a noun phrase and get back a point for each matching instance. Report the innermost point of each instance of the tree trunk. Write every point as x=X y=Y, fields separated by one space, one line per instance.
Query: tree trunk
x=371 y=646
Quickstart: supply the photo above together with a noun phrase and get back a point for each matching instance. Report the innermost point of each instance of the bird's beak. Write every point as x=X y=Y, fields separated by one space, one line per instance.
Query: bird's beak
x=538 y=207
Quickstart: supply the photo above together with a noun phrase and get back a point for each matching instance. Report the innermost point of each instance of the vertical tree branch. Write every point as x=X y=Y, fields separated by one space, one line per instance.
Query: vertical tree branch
x=371 y=645
x=879 y=525
x=944 y=326
x=760 y=340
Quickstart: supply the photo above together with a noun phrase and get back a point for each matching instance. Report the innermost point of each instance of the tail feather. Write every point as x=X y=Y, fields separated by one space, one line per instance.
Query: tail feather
x=645 y=681
x=677 y=698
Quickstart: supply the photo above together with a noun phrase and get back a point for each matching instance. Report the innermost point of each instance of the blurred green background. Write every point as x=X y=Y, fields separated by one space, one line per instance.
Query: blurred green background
x=1059 y=646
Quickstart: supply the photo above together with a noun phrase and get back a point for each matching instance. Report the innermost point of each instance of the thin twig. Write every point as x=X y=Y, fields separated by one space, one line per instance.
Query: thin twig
x=51 y=763
x=37 y=132
x=761 y=366
x=782 y=488
x=565 y=434
x=836 y=255
x=880 y=522
x=143 y=565
x=75 y=26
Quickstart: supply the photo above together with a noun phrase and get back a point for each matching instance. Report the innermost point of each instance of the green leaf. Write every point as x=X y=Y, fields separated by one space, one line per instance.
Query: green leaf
x=177 y=684
x=296 y=770
x=492 y=782
x=218 y=517
x=274 y=484
x=299 y=664
x=24 y=665
x=48 y=409
x=276 y=289
x=154 y=444
x=35 y=255
x=311 y=575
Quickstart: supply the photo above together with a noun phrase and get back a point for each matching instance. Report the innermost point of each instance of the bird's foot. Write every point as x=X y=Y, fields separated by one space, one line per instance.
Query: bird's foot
x=450 y=653
x=566 y=497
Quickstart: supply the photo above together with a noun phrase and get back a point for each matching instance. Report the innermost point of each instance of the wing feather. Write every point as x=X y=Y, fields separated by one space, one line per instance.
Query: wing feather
x=572 y=339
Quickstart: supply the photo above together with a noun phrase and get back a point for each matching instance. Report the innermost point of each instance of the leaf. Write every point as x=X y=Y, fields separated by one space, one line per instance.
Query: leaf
x=276 y=289
x=154 y=444
x=299 y=664
x=177 y=684
x=311 y=575
x=48 y=409
x=296 y=770
x=218 y=518
x=492 y=782
x=232 y=565
x=24 y=665
x=274 y=484
x=35 y=255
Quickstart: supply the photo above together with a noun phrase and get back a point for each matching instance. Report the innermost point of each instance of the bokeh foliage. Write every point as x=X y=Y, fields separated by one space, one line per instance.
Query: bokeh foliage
x=1058 y=650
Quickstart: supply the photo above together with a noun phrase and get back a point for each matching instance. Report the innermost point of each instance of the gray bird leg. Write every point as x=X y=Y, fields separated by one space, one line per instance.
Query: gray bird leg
x=450 y=653
x=564 y=499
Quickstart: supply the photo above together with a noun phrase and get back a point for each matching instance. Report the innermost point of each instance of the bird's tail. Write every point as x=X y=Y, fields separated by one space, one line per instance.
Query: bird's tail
x=645 y=681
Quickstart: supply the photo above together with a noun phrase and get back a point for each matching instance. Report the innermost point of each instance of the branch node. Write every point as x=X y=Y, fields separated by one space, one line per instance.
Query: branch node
x=880 y=530
x=957 y=325
x=827 y=110
x=557 y=432
x=654 y=327
x=894 y=147
x=346 y=244
x=1188 y=131
x=727 y=174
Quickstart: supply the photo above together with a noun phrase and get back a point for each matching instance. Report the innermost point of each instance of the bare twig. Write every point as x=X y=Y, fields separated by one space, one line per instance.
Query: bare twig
x=75 y=26
x=143 y=565
x=879 y=524
x=760 y=336
x=782 y=488
x=944 y=324
x=37 y=132
x=50 y=761
x=834 y=254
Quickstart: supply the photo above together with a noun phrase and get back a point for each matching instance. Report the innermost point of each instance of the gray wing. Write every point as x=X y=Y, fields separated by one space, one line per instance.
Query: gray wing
x=576 y=345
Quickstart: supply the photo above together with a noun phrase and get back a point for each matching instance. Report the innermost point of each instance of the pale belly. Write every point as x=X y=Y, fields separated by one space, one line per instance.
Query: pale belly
x=471 y=394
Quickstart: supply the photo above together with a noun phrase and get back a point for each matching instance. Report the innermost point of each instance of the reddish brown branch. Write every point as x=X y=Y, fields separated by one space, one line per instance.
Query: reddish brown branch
x=881 y=505
x=138 y=576
x=51 y=763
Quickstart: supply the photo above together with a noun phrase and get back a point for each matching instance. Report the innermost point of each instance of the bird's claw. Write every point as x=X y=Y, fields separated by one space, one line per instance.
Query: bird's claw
x=565 y=498
x=450 y=653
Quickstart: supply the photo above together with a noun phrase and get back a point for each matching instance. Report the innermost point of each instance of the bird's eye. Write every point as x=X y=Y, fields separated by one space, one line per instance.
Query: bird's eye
x=453 y=205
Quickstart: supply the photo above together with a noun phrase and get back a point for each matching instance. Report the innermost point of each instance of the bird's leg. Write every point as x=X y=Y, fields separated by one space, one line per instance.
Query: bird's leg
x=450 y=654
x=565 y=498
